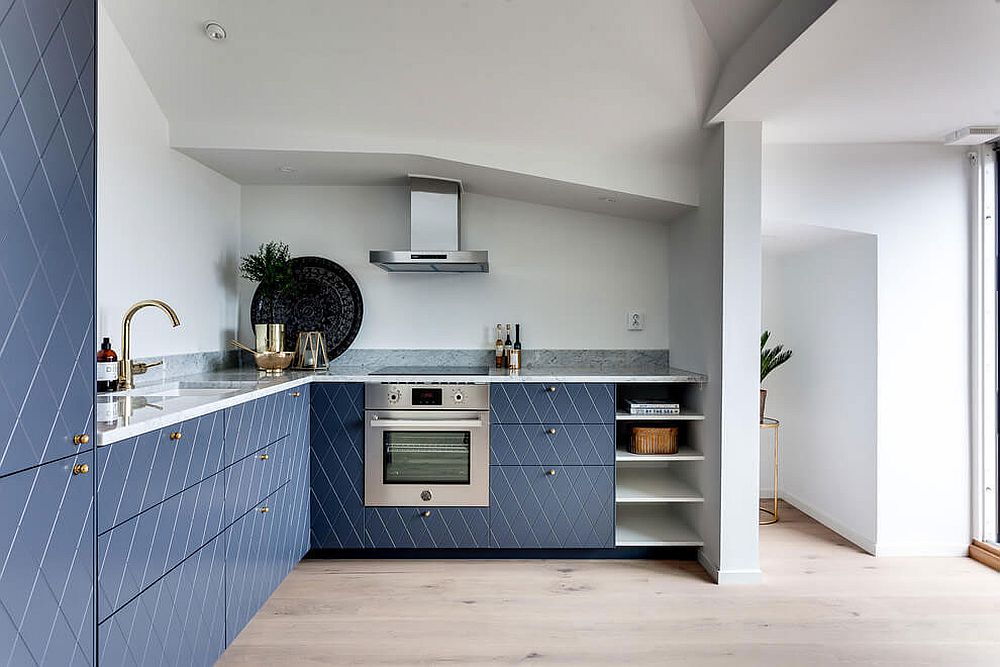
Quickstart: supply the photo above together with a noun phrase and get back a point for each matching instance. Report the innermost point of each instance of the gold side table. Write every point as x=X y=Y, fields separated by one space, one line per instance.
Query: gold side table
x=772 y=425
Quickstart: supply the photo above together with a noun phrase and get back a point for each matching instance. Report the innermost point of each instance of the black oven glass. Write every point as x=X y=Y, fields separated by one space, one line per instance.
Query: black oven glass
x=426 y=457
x=425 y=396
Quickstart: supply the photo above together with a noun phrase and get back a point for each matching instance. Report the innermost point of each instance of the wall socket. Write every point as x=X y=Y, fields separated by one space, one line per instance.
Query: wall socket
x=636 y=320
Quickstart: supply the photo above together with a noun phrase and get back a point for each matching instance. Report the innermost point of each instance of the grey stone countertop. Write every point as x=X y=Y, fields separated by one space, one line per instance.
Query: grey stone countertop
x=123 y=415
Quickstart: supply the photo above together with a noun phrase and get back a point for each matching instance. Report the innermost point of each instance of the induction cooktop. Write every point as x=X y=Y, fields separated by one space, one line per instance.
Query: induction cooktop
x=432 y=370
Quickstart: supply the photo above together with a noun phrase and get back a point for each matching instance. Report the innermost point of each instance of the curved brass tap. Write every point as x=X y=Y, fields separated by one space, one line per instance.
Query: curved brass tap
x=126 y=367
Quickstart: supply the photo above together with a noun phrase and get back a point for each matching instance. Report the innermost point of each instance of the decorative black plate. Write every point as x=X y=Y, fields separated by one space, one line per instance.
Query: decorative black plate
x=325 y=297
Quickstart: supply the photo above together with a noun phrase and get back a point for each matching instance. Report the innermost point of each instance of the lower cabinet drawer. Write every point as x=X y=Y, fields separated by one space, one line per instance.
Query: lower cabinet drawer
x=552 y=444
x=540 y=507
x=261 y=548
x=178 y=621
x=427 y=527
x=134 y=554
x=255 y=477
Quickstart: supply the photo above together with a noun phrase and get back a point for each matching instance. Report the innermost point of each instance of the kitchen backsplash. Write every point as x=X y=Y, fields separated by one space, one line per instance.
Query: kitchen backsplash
x=597 y=359
x=179 y=365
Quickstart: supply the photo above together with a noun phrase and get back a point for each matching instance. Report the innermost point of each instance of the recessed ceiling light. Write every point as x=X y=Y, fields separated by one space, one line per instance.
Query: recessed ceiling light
x=285 y=169
x=214 y=31
x=610 y=200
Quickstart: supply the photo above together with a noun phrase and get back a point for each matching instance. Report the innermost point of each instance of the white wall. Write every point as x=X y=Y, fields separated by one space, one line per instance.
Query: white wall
x=820 y=301
x=914 y=199
x=714 y=328
x=568 y=277
x=167 y=227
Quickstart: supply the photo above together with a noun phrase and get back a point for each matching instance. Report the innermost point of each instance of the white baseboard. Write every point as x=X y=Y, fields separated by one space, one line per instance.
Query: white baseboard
x=923 y=549
x=728 y=577
x=866 y=543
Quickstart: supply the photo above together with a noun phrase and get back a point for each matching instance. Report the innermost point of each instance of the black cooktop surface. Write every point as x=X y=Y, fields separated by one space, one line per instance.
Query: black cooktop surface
x=432 y=370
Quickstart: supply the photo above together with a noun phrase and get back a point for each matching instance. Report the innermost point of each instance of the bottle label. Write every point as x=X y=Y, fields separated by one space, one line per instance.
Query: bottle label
x=107 y=371
x=107 y=411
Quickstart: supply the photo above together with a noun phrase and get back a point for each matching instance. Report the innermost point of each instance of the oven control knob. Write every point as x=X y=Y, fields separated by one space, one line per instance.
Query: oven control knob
x=425 y=496
x=393 y=396
x=459 y=397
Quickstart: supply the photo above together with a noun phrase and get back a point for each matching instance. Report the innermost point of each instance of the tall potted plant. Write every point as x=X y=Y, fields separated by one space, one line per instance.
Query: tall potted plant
x=271 y=267
x=770 y=358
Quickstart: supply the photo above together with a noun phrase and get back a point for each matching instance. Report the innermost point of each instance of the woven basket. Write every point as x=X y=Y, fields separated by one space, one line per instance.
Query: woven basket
x=653 y=440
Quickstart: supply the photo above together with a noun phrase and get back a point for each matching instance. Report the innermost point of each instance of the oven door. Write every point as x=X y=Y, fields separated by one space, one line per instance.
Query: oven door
x=427 y=457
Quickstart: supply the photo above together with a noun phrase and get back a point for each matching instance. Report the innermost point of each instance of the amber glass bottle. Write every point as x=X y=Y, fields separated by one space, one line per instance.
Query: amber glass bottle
x=107 y=368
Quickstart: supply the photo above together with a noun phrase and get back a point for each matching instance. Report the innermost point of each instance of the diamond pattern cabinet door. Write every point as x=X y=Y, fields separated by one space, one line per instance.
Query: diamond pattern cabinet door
x=256 y=424
x=337 y=465
x=533 y=509
x=556 y=403
x=134 y=554
x=47 y=228
x=299 y=481
x=177 y=622
x=427 y=527
x=47 y=579
x=255 y=477
x=548 y=444
x=138 y=473
x=259 y=553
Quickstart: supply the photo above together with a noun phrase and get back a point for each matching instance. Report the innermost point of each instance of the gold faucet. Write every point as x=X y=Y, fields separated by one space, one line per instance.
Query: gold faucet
x=126 y=367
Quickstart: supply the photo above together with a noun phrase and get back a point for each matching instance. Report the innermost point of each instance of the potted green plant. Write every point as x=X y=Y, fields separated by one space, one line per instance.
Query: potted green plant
x=770 y=358
x=271 y=267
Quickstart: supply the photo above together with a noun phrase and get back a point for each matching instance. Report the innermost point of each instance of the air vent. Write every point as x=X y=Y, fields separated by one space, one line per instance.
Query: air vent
x=972 y=136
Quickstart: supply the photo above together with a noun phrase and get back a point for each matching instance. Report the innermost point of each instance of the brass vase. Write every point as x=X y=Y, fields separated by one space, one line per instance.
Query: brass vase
x=270 y=337
x=763 y=402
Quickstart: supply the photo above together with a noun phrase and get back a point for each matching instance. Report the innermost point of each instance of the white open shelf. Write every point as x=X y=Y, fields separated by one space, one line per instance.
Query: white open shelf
x=684 y=453
x=644 y=526
x=646 y=484
x=682 y=417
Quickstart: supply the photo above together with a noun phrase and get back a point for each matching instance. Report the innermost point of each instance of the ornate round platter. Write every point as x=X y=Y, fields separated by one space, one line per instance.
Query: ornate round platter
x=325 y=297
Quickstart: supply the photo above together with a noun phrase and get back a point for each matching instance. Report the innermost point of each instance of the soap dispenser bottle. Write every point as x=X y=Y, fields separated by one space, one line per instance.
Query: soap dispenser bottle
x=107 y=368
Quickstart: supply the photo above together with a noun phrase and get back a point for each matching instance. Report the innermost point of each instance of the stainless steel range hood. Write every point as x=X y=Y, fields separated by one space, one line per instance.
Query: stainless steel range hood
x=434 y=233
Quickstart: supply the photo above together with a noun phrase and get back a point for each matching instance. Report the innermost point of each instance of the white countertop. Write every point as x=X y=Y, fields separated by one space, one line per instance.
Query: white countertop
x=127 y=414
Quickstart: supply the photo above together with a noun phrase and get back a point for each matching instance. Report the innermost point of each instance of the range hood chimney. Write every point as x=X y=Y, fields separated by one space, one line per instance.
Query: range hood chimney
x=434 y=233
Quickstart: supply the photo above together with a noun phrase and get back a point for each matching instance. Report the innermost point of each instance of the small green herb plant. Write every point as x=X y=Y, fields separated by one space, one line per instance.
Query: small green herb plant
x=771 y=358
x=271 y=266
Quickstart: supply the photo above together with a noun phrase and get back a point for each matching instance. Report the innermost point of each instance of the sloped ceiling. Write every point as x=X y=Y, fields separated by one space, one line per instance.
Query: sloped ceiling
x=880 y=71
x=591 y=92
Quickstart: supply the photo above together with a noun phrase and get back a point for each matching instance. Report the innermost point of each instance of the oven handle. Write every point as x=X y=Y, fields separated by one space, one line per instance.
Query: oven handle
x=430 y=423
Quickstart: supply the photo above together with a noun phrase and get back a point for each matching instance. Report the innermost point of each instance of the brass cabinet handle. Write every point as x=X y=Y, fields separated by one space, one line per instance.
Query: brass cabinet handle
x=551 y=431
x=425 y=513
x=551 y=389
x=81 y=439
x=551 y=472
x=265 y=509
x=81 y=469
x=176 y=435
x=295 y=394
x=264 y=457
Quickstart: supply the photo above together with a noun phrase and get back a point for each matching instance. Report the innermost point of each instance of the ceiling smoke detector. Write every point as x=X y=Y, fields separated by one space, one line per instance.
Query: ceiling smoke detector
x=214 y=31
x=972 y=136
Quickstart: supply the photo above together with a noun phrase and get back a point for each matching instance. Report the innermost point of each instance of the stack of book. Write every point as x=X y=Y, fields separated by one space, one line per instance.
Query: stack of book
x=653 y=407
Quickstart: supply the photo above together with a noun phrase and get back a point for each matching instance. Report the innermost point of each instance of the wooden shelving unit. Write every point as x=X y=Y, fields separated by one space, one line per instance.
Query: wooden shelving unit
x=657 y=499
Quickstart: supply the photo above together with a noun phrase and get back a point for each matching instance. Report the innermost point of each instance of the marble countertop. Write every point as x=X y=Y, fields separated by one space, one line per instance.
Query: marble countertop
x=127 y=414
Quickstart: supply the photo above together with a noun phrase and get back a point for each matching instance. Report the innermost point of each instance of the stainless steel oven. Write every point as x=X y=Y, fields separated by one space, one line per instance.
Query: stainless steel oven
x=427 y=444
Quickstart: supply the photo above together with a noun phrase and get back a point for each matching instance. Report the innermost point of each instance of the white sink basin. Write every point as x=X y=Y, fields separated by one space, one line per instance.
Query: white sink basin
x=191 y=389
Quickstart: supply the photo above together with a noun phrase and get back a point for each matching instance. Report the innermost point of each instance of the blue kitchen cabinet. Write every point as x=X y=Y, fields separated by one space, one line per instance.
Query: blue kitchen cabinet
x=256 y=424
x=337 y=465
x=427 y=527
x=141 y=472
x=538 y=507
x=179 y=621
x=47 y=256
x=261 y=548
x=552 y=403
x=552 y=444
x=47 y=579
x=255 y=477
x=299 y=442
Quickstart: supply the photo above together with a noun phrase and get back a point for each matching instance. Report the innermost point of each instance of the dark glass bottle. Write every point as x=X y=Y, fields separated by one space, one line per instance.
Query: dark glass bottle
x=107 y=368
x=507 y=347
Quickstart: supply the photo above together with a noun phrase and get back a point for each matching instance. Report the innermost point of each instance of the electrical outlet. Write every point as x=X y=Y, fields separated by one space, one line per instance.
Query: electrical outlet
x=636 y=320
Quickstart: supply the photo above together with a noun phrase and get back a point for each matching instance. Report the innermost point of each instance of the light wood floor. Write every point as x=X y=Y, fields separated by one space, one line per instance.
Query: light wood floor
x=822 y=602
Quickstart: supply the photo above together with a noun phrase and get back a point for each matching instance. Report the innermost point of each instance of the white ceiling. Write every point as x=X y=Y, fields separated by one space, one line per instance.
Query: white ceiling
x=601 y=94
x=881 y=71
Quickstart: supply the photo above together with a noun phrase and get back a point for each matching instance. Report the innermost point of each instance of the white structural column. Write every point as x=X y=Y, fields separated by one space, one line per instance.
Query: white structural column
x=714 y=306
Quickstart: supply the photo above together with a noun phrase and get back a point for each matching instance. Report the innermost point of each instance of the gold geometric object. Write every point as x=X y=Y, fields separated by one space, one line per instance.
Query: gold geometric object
x=310 y=351
x=771 y=424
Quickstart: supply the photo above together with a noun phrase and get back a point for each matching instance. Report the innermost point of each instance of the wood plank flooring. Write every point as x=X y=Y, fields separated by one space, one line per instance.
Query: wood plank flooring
x=823 y=602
